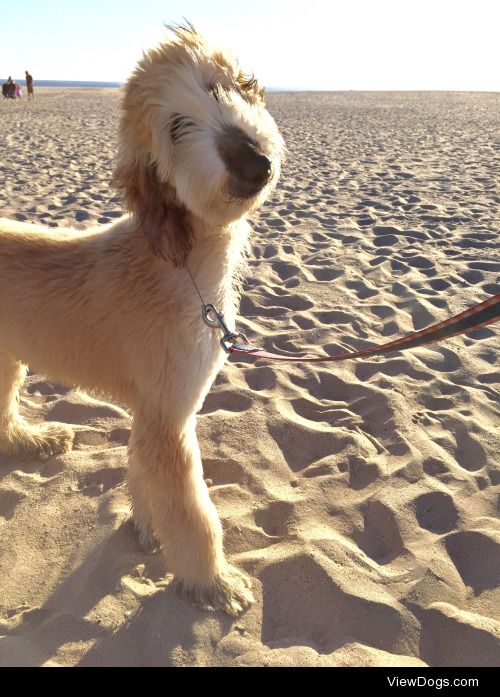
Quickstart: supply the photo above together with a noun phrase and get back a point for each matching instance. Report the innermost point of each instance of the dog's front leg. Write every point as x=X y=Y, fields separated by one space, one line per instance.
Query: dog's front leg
x=16 y=436
x=183 y=518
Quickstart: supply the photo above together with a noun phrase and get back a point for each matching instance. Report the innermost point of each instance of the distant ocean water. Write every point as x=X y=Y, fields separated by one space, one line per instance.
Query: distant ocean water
x=68 y=83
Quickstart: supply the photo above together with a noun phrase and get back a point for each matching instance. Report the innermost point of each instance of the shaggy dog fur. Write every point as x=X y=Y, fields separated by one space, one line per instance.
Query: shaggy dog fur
x=113 y=309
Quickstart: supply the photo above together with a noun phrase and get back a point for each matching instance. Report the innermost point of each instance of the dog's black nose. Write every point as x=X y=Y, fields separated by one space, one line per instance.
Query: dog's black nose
x=256 y=169
x=248 y=168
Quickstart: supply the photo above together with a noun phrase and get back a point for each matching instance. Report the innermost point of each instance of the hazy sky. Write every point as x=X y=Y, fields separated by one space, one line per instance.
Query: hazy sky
x=294 y=44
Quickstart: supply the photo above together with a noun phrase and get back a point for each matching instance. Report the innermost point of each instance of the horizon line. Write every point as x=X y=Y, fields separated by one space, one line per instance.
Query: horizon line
x=118 y=84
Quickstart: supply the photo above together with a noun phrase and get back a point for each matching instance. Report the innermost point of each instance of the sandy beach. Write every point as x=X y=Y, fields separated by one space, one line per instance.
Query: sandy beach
x=362 y=497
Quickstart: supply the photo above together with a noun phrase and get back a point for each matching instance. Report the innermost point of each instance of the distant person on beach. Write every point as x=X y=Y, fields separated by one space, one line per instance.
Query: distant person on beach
x=19 y=92
x=29 y=85
x=9 y=89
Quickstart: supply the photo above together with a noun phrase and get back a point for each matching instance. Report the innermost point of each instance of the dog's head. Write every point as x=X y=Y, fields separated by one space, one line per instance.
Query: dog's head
x=196 y=140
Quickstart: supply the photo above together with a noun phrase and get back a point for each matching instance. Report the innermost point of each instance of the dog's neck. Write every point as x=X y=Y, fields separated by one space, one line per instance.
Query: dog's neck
x=231 y=238
x=217 y=258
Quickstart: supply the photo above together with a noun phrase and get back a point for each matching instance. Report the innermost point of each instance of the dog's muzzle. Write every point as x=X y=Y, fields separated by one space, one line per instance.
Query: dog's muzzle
x=249 y=169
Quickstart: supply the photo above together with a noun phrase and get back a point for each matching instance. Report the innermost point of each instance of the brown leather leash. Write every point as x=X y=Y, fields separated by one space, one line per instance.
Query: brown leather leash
x=477 y=316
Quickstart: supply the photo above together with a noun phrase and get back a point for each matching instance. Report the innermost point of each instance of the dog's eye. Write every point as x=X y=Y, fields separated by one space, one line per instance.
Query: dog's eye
x=179 y=127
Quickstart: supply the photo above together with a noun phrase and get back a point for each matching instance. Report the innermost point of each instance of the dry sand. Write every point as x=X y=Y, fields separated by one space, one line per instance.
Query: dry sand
x=362 y=497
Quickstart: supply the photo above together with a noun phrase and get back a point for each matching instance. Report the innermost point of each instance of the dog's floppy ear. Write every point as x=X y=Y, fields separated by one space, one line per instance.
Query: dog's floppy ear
x=160 y=214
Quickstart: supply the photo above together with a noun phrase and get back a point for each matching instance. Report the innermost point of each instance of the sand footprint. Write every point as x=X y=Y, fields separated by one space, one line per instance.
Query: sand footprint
x=490 y=266
x=437 y=403
x=381 y=537
x=223 y=471
x=284 y=270
x=469 y=453
x=476 y=557
x=362 y=472
x=319 y=611
x=9 y=500
x=100 y=481
x=319 y=413
x=444 y=360
x=436 y=511
x=489 y=378
x=439 y=284
x=324 y=274
x=302 y=446
x=227 y=401
x=362 y=290
x=453 y=637
x=333 y=317
x=276 y=519
x=262 y=378
x=491 y=288
x=385 y=241
x=472 y=277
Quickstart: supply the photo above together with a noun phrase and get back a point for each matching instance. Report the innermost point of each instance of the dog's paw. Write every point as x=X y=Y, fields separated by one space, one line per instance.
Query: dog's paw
x=230 y=591
x=53 y=439
x=38 y=442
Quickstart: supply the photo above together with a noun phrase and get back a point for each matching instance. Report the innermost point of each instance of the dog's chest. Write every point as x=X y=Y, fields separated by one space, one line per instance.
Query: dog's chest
x=224 y=301
x=204 y=353
x=212 y=269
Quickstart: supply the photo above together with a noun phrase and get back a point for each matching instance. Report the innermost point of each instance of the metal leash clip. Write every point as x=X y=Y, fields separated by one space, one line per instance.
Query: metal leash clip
x=215 y=320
